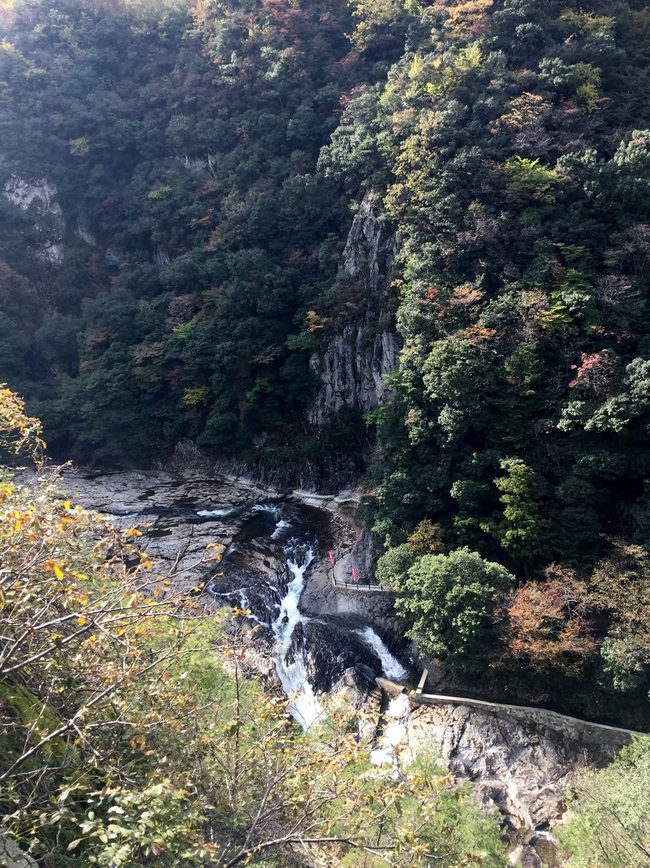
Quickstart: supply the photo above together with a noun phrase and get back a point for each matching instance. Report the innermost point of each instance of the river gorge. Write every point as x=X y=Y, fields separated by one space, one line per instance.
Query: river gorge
x=305 y=627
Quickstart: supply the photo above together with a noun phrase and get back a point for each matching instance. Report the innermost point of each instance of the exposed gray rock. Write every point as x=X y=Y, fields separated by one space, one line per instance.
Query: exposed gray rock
x=352 y=375
x=39 y=199
x=86 y=235
x=522 y=768
x=178 y=516
x=198 y=164
x=353 y=366
x=11 y=856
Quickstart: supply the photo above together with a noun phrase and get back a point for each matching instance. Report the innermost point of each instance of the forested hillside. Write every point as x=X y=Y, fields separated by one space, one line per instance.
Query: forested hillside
x=202 y=163
x=509 y=143
x=182 y=143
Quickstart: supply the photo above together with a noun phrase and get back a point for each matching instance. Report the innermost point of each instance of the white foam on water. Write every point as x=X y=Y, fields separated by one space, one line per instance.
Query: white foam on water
x=390 y=665
x=218 y=513
x=399 y=707
x=129 y=516
x=395 y=731
x=282 y=526
x=244 y=603
x=381 y=756
x=303 y=705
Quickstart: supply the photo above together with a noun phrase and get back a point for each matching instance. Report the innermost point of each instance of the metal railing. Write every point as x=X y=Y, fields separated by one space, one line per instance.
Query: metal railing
x=354 y=580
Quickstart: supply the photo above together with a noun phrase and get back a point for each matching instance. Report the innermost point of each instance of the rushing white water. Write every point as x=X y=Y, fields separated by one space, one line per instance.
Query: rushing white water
x=219 y=513
x=271 y=509
x=395 y=731
x=280 y=529
x=244 y=603
x=390 y=665
x=304 y=706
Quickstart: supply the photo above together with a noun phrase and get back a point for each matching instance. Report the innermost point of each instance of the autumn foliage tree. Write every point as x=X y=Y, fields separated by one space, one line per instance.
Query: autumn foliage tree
x=549 y=624
x=83 y=669
x=18 y=432
x=620 y=584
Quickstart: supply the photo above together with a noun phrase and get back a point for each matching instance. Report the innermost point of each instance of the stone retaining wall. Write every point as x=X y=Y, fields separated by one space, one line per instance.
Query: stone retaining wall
x=573 y=728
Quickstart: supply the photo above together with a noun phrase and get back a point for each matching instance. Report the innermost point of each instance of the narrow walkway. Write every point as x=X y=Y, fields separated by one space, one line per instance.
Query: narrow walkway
x=573 y=727
x=347 y=577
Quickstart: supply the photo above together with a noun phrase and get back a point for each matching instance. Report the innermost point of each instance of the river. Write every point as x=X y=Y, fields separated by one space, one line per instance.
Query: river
x=275 y=568
x=303 y=635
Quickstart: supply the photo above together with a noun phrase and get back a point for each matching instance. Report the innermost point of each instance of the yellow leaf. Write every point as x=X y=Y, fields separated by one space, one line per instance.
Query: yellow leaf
x=58 y=572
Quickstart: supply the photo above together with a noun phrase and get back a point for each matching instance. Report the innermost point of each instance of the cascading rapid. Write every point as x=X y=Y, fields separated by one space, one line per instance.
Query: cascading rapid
x=310 y=651
x=289 y=649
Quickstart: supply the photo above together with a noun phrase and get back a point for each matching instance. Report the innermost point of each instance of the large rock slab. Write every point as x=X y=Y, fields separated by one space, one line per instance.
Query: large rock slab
x=518 y=766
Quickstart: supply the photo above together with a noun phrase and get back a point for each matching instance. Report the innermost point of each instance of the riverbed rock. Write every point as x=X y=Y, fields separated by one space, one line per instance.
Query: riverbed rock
x=523 y=769
x=11 y=856
x=179 y=516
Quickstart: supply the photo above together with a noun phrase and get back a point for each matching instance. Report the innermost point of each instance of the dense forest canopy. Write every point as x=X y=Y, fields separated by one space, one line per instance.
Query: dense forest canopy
x=182 y=144
x=198 y=166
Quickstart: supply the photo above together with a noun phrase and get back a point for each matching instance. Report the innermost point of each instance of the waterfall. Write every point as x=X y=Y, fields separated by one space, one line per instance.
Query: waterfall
x=395 y=731
x=391 y=667
x=289 y=654
x=272 y=597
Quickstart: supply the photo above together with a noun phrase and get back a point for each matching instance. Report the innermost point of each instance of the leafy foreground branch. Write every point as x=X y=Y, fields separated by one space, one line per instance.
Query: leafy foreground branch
x=609 y=820
x=126 y=742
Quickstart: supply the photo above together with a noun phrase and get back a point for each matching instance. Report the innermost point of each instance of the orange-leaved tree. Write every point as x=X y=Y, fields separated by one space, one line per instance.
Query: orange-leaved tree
x=549 y=624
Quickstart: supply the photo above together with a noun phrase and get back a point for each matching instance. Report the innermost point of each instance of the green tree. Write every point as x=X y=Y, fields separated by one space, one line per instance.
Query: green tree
x=393 y=566
x=450 y=601
x=523 y=530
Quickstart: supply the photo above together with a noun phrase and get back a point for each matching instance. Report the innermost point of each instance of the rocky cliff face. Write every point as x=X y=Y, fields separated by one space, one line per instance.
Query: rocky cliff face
x=39 y=198
x=352 y=368
x=517 y=764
